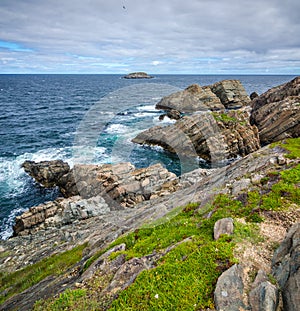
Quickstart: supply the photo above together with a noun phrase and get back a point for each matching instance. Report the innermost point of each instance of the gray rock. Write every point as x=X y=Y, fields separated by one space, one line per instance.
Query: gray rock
x=264 y=297
x=213 y=138
x=276 y=113
x=229 y=290
x=47 y=173
x=223 y=226
x=193 y=98
x=231 y=93
x=285 y=268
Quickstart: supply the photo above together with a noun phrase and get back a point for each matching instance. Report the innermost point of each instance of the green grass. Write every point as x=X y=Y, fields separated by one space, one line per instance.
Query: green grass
x=292 y=145
x=68 y=300
x=20 y=280
x=224 y=118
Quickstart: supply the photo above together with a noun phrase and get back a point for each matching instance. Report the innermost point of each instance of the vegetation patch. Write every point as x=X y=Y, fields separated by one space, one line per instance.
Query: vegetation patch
x=224 y=118
x=292 y=145
x=20 y=280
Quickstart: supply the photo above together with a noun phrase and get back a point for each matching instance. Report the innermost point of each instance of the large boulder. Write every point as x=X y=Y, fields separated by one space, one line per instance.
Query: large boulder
x=213 y=137
x=286 y=268
x=276 y=113
x=193 y=98
x=231 y=93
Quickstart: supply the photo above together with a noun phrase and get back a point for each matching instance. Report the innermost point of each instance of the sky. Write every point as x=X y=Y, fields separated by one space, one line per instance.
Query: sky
x=156 y=36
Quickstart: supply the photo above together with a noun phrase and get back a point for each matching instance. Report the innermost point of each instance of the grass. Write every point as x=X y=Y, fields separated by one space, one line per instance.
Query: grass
x=224 y=118
x=292 y=145
x=20 y=280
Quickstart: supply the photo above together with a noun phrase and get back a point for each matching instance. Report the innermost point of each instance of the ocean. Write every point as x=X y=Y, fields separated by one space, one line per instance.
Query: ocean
x=83 y=119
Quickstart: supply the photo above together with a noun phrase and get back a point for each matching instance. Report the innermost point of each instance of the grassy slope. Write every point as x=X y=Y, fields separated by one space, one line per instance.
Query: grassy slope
x=184 y=279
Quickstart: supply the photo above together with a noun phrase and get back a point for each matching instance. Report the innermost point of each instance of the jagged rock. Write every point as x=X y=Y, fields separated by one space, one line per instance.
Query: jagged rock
x=276 y=113
x=223 y=226
x=286 y=268
x=264 y=297
x=213 y=138
x=137 y=75
x=253 y=95
x=229 y=290
x=47 y=173
x=58 y=213
x=193 y=98
x=231 y=93
x=121 y=182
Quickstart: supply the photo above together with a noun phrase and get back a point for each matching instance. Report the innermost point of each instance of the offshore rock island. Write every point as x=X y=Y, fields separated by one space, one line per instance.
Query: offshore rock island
x=138 y=75
x=122 y=238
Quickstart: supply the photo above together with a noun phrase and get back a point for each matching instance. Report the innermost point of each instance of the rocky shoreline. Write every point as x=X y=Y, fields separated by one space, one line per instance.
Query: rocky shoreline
x=102 y=202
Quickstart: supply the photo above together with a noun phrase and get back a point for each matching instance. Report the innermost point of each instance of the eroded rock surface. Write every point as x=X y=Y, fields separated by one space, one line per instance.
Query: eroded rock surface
x=286 y=269
x=276 y=113
x=231 y=93
x=193 y=98
x=212 y=137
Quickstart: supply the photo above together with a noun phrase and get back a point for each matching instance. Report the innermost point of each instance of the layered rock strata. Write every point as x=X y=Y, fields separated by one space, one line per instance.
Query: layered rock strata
x=276 y=113
x=213 y=137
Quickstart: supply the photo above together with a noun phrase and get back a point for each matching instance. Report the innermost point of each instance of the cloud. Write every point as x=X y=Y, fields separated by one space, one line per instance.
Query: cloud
x=156 y=62
x=194 y=36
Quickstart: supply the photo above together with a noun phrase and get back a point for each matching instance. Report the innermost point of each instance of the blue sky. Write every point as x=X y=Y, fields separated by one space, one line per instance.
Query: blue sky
x=157 y=36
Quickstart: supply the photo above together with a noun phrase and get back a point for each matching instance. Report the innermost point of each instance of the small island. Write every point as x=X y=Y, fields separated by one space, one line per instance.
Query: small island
x=137 y=75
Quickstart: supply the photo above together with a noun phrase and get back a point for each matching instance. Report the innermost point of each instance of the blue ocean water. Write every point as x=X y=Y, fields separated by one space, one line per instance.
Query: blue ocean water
x=45 y=117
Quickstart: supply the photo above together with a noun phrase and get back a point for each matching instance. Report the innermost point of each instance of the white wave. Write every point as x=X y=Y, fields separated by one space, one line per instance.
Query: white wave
x=166 y=120
x=7 y=229
x=12 y=174
x=117 y=129
x=144 y=114
x=147 y=108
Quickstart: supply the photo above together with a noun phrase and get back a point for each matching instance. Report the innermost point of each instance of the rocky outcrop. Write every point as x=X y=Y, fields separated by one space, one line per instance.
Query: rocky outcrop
x=232 y=294
x=59 y=213
x=231 y=93
x=193 y=98
x=118 y=183
x=137 y=75
x=47 y=173
x=226 y=94
x=229 y=290
x=276 y=113
x=286 y=269
x=213 y=137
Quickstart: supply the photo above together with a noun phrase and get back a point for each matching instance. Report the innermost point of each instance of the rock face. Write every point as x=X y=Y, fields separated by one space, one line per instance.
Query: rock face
x=276 y=113
x=193 y=98
x=214 y=137
x=59 y=213
x=120 y=182
x=138 y=75
x=286 y=268
x=47 y=173
x=231 y=93
x=231 y=292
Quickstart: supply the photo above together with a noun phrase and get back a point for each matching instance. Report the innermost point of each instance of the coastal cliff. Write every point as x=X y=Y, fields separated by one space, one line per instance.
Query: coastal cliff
x=212 y=239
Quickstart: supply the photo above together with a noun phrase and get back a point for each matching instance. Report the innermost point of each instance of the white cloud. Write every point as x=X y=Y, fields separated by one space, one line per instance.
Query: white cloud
x=156 y=62
x=221 y=36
